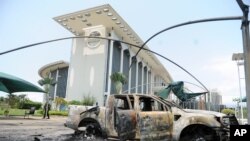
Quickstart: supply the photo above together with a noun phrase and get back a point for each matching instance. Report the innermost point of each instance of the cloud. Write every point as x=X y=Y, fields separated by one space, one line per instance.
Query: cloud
x=225 y=79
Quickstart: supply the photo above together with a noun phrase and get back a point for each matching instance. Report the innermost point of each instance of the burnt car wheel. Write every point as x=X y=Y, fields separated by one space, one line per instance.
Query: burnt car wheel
x=199 y=134
x=197 y=137
x=93 y=132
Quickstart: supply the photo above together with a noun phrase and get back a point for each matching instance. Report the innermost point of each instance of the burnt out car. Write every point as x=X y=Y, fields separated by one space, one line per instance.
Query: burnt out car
x=147 y=117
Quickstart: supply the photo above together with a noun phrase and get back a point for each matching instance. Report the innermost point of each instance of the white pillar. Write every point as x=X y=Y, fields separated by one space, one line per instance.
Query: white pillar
x=147 y=83
x=136 y=83
x=129 y=75
x=57 y=75
x=121 y=62
x=110 y=64
x=142 y=79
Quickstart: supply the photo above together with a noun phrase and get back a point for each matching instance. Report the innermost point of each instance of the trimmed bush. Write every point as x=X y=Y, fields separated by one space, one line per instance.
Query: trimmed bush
x=59 y=113
x=88 y=100
x=228 y=111
x=39 y=112
x=75 y=102
x=29 y=104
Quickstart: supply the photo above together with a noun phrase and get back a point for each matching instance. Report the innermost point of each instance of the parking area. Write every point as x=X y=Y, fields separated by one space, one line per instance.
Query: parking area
x=16 y=128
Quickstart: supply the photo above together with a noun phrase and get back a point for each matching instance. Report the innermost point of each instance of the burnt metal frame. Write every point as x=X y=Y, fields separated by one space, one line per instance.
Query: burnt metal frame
x=245 y=36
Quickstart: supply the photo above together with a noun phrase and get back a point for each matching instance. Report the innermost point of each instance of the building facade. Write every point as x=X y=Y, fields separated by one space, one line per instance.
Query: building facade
x=214 y=100
x=93 y=60
x=59 y=72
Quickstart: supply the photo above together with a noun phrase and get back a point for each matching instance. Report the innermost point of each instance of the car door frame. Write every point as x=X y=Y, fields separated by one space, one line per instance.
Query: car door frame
x=154 y=125
x=125 y=120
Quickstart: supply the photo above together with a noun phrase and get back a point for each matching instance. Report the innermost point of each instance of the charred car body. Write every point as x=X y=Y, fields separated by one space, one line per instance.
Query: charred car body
x=148 y=117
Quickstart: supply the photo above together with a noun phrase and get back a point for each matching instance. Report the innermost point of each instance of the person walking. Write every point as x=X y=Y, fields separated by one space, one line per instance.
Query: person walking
x=46 y=109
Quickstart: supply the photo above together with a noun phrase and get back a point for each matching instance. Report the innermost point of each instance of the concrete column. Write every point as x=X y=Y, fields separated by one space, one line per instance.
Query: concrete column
x=121 y=62
x=57 y=75
x=110 y=65
x=147 y=83
x=136 y=83
x=142 y=79
x=129 y=75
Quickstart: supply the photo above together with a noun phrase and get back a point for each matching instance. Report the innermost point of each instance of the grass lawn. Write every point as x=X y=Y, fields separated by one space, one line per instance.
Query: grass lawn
x=16 y=112
x=20 y=112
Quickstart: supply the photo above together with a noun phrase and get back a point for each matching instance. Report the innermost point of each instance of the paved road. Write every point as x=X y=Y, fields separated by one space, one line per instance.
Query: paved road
x=35 y=129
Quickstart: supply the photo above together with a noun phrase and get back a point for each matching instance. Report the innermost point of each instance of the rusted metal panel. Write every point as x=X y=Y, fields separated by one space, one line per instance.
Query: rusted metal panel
x=126 y=124
x=155 y=125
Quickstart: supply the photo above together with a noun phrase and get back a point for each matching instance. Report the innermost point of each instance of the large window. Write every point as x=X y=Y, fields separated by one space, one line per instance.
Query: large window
x=116 y=58
x=133 y=75
x=126 y=57
x=139 y=90
x=145 y=73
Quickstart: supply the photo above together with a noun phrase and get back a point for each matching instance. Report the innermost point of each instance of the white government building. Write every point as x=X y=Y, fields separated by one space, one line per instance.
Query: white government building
x=94 y=60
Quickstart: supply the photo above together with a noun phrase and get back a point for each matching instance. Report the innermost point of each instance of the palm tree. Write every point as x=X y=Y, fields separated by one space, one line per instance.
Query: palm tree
x=47 y=82
x=119 y=79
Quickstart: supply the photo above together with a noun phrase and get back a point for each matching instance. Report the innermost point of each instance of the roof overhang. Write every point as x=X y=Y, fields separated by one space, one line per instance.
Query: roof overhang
x=105 y=15
x=45 y=70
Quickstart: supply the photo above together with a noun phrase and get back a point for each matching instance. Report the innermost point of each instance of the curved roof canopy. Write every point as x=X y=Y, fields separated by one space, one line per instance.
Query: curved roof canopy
x=45 y=70
x=105 y=15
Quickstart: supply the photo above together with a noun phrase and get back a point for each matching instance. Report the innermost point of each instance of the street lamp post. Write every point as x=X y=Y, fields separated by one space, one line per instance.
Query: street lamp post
x=238 y=57
x=246 y=49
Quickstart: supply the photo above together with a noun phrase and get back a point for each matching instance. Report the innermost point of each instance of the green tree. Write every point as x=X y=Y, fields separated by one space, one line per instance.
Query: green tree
x=2 y=99
x=228 y=111
x=244 y=112
x=22 y=99
x=13 y=100
x=59 y=101
x=47 y=82
x=119 y=79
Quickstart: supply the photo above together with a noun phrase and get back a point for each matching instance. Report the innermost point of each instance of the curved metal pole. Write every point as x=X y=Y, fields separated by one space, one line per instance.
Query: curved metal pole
x=27 y=46
x=187 y=23
x=66 y=38
x=194 y=84
x=179 y=67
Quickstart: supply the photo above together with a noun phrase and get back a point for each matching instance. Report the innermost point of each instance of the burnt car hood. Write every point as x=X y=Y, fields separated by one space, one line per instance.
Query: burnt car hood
x=204 y=112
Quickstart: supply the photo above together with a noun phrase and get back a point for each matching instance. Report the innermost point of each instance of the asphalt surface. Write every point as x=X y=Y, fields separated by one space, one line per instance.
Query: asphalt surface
x=16 y=128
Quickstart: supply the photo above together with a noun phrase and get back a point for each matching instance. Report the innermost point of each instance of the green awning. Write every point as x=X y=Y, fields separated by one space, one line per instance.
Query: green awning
x=11 y=84
x=178 y=89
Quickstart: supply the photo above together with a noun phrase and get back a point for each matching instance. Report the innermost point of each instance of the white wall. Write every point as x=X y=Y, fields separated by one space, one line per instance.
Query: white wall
x=87 y=68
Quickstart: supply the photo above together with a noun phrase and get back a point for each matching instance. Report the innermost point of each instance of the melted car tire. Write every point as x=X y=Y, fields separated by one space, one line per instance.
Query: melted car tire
x=93 y=132
x=198 y=135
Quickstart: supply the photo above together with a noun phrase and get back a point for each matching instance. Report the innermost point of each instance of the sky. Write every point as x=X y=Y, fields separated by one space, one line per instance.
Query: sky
x=204 y=49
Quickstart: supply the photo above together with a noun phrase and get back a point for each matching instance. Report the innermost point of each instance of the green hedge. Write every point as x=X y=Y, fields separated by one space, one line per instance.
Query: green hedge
x=28 y=105
x=59 y=113
x=75 y=102
x=228 y=111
